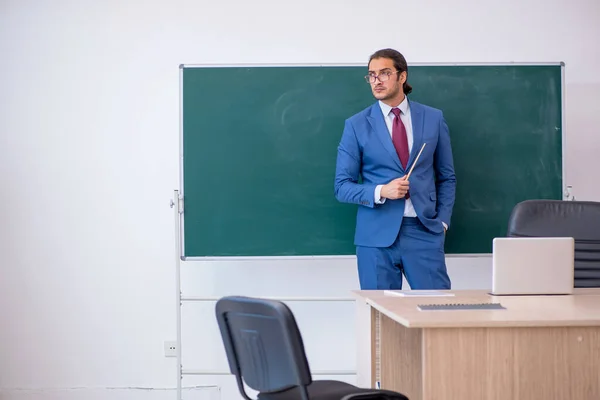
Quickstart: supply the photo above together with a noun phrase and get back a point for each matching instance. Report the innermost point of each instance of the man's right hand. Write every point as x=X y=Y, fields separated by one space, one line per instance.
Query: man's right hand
x=396 y=189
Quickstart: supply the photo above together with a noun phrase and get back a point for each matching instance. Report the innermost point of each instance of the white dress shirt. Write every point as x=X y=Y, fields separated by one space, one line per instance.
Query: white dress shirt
x=388 y=116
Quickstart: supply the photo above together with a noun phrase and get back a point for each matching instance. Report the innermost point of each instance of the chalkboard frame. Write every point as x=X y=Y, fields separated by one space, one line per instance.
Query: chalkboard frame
x=180 y=229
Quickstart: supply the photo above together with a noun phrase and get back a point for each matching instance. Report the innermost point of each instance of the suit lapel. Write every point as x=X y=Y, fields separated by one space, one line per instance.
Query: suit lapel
x=377 y=122
x=417 y=116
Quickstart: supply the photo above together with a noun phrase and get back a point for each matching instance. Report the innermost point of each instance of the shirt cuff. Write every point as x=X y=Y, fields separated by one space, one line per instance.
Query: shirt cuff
x=378 y=199
x=445 y=226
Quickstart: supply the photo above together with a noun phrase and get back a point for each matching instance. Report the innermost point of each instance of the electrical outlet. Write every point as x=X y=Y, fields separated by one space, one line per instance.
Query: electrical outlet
x=170 y=349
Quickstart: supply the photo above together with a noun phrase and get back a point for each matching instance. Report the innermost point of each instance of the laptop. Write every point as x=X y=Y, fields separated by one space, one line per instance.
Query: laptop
x=533 y=266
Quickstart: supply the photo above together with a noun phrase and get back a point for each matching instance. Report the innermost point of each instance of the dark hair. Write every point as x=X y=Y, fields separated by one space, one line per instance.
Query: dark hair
x=399 y=63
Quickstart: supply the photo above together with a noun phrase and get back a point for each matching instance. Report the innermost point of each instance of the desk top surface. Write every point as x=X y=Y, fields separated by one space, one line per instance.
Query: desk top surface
x=582 y=308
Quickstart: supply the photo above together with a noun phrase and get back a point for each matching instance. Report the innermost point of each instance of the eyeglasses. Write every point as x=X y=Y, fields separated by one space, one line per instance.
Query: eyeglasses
x=383 y=76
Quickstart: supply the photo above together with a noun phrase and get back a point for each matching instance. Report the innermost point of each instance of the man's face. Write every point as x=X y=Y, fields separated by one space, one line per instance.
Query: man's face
x=384 y=69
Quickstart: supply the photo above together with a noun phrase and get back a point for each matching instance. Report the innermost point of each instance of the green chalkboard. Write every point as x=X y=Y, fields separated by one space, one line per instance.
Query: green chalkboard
x=259 y=144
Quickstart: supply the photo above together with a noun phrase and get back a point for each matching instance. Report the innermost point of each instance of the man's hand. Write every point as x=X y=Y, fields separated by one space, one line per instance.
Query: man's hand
x=395 y=189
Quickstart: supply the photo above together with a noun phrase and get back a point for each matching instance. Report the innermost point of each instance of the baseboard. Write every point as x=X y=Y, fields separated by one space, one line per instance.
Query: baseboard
x=124 y=393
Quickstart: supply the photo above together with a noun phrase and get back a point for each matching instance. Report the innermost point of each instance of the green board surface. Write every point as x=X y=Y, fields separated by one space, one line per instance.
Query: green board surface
x=259 y=146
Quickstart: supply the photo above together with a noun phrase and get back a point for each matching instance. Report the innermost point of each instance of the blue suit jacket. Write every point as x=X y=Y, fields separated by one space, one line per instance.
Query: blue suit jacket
x=366 y=151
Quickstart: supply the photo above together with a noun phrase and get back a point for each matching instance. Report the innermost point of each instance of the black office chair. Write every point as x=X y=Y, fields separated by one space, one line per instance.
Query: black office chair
x=265 y=350
x=577 y=219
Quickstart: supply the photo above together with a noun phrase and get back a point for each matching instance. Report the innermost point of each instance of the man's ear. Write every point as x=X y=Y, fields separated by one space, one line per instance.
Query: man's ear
x=402 y=77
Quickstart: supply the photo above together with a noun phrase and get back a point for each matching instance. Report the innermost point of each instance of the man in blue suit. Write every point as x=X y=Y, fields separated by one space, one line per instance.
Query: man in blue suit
x=401 y=223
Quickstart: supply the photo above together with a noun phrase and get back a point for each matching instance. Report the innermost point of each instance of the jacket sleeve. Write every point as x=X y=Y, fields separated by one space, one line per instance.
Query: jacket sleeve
x=444 y=173
x=347 y=171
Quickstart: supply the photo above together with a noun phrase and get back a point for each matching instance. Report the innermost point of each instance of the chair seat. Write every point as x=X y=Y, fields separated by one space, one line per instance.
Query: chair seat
x=333 y=390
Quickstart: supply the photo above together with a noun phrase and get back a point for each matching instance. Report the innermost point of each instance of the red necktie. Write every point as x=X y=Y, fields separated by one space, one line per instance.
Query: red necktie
x=400 y=139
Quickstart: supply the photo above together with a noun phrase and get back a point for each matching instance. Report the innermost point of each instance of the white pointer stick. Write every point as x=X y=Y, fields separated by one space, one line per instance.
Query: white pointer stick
x=415 y=163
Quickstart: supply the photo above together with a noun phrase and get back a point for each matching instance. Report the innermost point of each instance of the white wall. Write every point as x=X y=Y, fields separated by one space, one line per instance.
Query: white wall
x=89 y=161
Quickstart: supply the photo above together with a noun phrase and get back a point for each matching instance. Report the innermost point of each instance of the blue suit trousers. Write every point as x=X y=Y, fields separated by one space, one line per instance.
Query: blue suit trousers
x=417 y=252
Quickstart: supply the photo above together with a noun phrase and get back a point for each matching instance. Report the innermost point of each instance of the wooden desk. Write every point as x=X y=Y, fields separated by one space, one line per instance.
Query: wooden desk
x=539 y=347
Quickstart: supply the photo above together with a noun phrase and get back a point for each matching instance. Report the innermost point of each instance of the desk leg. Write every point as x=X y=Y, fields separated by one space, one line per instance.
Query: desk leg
x=401 y=358
x=365 y=345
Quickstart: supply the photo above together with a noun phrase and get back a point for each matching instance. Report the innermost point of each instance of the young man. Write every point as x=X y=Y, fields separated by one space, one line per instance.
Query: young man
x=401 y=223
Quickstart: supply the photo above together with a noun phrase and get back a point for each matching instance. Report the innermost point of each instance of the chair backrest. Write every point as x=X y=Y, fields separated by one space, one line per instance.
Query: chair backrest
x=577 y=219
x=263 y=344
